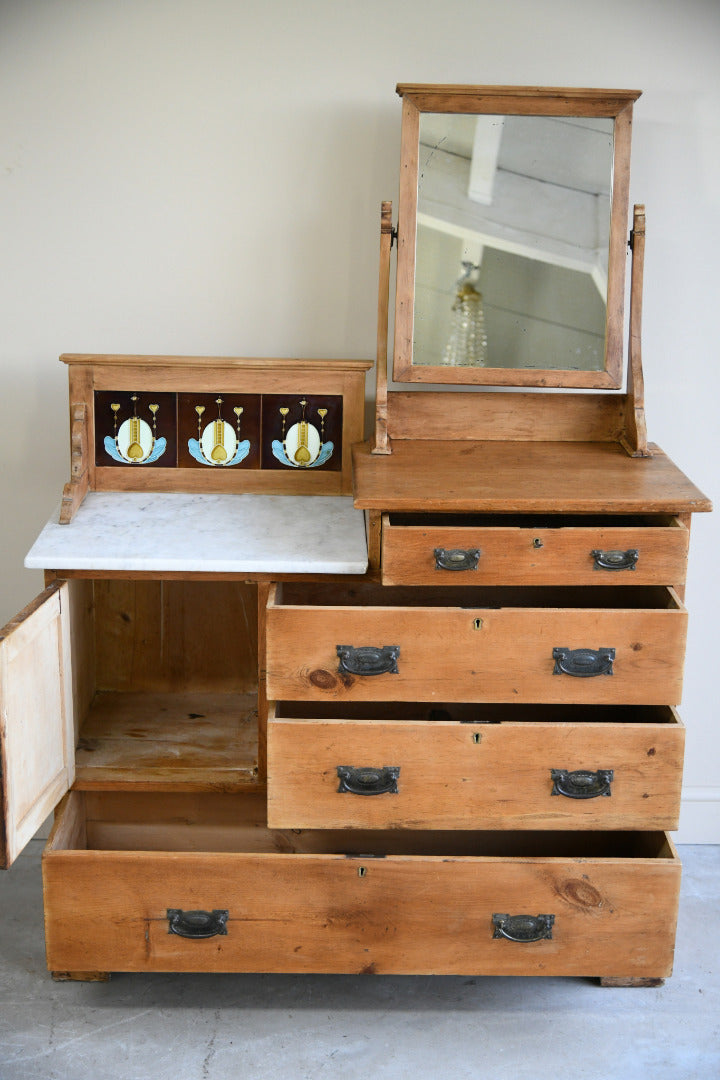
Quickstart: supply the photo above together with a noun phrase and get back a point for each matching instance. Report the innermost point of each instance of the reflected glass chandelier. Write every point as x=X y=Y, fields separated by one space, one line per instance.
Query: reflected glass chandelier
x=467 y=344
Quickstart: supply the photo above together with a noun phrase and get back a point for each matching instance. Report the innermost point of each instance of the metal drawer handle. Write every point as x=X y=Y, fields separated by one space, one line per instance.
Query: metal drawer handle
x=616 y=560
x=197 y=924
x=582 y=783
x=368 y=659
x=583 y=663
x=368 y=780
x=523 y=927
x=456 y=558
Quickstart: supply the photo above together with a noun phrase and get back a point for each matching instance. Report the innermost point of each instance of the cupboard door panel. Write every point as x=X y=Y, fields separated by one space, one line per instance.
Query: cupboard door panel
x=37 y=728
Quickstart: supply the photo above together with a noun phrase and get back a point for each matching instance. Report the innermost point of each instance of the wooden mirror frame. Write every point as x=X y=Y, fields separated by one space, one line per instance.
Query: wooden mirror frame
x=512 y=101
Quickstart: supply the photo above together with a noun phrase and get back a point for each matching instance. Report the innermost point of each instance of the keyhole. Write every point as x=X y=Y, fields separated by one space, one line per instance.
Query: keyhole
x=362 y=871
x=477 y=624
x=476 y=736
x=537 y=542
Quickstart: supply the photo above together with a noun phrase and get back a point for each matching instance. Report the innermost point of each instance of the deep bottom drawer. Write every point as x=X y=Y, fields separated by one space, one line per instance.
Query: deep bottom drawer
x=446 y=903
x=473 y=767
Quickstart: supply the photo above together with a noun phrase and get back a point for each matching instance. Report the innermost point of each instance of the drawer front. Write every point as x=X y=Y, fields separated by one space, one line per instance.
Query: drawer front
x=538 y=555
x=589 y=915
x=447 y=775
x=475 y=654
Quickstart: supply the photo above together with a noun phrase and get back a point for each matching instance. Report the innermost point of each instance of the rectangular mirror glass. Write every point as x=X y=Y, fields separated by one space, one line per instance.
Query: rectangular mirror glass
x=512 y=228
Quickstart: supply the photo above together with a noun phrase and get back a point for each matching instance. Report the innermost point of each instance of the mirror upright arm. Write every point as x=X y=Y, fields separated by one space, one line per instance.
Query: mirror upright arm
x=381 y=444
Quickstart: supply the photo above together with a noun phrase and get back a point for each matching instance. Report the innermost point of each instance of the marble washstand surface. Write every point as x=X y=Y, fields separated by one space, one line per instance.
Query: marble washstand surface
x=283 y=534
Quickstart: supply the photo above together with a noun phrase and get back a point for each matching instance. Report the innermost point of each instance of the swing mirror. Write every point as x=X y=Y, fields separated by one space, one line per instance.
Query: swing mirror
x=512 y=235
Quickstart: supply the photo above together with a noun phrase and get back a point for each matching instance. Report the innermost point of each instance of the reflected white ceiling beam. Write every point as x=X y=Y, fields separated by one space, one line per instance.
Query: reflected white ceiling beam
x=527 y=216
x=484 y=158
x=474 y=241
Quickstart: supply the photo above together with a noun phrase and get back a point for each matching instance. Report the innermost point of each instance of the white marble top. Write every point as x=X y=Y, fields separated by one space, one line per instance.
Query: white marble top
x=273 y=534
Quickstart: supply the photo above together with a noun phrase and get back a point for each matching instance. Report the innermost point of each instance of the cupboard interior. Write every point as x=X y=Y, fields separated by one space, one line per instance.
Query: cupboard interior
x=235 y=822
x=164 y=683
x=535 y=521
x=372 y=594
x=471 y=713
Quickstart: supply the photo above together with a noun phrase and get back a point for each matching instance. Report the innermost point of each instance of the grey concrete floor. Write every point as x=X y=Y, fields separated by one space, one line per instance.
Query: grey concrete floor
x=257 y=1027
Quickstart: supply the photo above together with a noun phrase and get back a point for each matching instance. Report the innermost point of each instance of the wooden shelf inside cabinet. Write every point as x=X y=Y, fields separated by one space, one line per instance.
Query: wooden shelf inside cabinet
x=161 y=742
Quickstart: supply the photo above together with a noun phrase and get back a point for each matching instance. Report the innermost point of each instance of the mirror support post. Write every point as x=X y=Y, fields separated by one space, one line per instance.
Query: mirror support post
x=381 y=444
x=634 y=437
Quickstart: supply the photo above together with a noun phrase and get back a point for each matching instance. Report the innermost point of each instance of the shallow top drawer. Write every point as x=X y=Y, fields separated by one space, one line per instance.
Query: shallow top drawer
x=437 y=549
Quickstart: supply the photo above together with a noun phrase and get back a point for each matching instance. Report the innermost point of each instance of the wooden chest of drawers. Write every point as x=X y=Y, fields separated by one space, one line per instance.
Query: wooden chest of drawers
x=454 y=750
x=467 y=771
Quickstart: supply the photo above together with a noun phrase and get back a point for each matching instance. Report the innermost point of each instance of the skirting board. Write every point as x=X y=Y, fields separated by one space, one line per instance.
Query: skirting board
x=699 y=816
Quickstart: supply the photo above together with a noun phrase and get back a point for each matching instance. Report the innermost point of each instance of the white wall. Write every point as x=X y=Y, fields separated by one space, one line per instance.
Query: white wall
x=204 y=176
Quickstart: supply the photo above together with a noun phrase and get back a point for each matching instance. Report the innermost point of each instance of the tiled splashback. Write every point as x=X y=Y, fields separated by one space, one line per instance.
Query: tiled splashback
x=218 y=430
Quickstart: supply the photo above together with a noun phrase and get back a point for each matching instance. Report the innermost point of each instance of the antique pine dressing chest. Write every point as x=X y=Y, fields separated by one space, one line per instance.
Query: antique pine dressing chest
x=427 y=727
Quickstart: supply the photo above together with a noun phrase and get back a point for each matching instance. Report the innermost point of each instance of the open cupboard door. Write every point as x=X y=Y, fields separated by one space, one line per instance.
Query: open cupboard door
x=37 y=744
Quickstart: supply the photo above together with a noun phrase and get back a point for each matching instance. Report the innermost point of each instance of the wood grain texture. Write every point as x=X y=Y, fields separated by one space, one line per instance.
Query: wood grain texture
x=37 y=717
x=106 y=910
x=262 y=699
x=474 y=776
x=521 y=477
x=175 y=636
x=380 y=445
x=526 y=100
x=504 y=416
x=407 y=235
x=225 y=481
x=635 y=434
x=474 y=652
x=187 y=742
x=533 y=555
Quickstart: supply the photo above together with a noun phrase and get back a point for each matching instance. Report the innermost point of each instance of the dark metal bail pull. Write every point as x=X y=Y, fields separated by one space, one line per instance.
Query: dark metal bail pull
x=523 y=928
x=368 y=659
x=456 y=558
x=367 y=780
x=582 y=783
x=583 y=663
x=197 y=924
x=615 y=560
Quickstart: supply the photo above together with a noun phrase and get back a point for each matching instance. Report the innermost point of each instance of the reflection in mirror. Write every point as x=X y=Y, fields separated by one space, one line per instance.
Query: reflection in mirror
x=513 y=231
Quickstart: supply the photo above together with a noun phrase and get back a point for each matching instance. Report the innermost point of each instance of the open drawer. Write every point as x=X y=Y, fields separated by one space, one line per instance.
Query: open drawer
x=433 y=549
x=197 y=883
x=389 y=643
x=473 y=767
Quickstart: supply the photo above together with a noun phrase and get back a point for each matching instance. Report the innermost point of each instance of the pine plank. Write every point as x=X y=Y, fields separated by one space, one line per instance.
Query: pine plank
x=521 y=477
x=190 y=741
x=474 y=776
